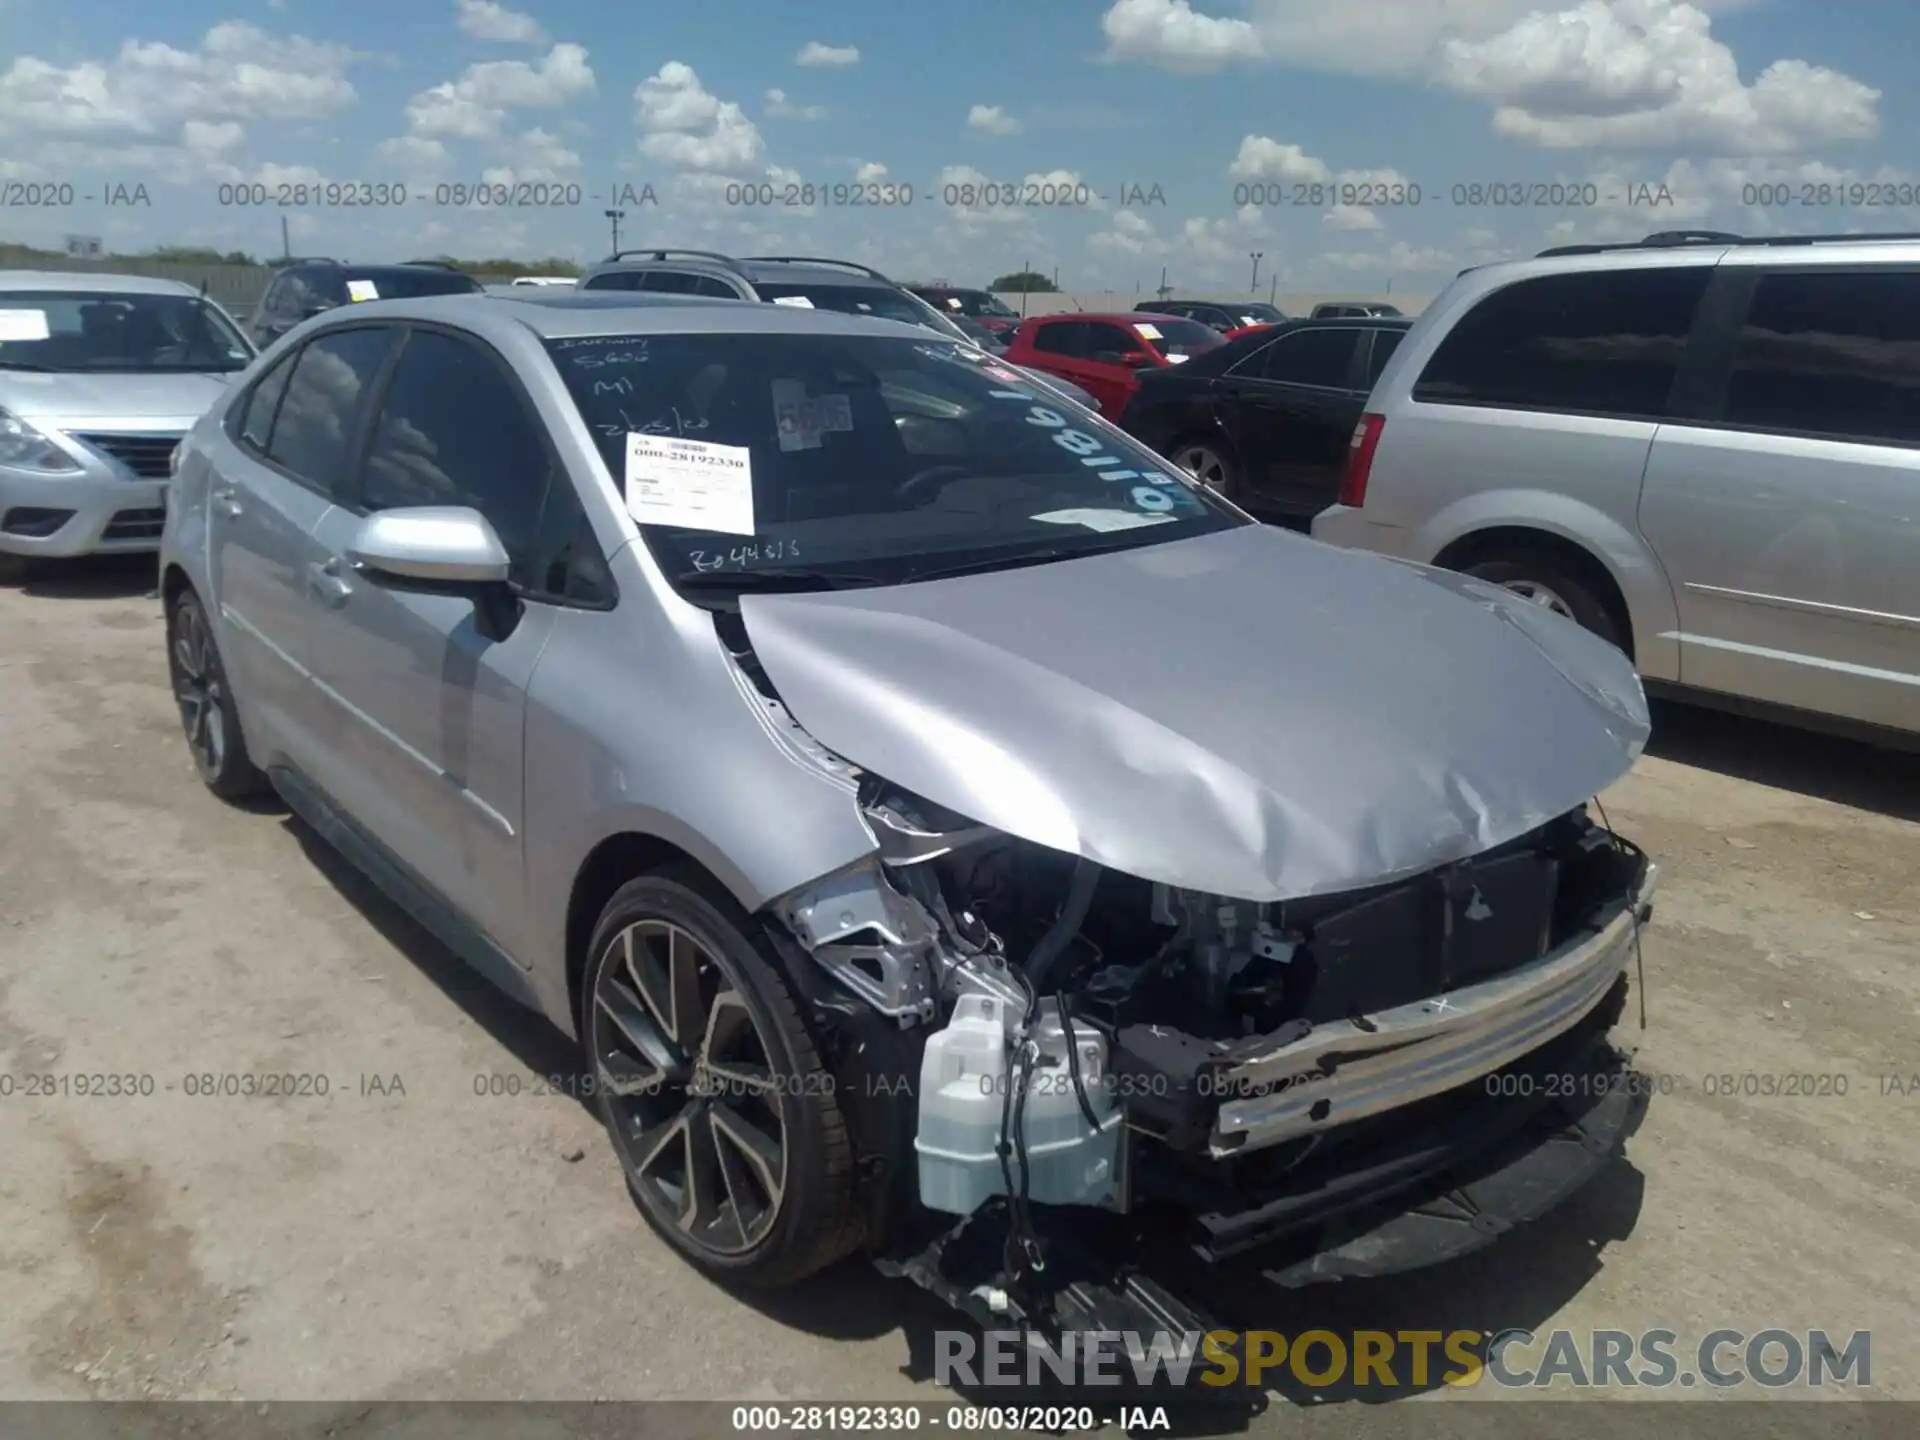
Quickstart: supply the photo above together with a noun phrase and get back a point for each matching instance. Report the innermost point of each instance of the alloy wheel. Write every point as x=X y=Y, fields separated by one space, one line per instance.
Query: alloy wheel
x=198 y=689
x=1205 y=465
x=690 y=1088
x=1541 y=595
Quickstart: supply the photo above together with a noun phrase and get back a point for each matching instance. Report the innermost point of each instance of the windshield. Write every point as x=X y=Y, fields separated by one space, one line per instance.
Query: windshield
x=971 y=302
x=79 y=330
x=412 y=284
x=1255 y=314
x=1179 y=339
x=884 y=458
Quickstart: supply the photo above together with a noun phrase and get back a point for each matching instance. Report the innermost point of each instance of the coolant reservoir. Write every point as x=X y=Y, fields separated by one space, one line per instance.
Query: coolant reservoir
x=964 y=1078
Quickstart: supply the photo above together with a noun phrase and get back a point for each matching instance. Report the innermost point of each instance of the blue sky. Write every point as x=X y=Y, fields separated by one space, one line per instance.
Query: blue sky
x=1184 y=106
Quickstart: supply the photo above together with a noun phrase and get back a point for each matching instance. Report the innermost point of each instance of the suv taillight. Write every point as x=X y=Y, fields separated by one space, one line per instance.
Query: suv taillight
x=1366 y=439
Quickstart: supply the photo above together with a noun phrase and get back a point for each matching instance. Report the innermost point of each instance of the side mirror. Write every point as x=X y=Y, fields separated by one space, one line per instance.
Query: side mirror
x=1139 y=359
x=315 y=307
x=439 y=550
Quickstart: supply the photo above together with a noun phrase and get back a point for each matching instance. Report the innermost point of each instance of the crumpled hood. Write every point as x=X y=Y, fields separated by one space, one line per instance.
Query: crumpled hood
x=1250 y=714
x=162 y=402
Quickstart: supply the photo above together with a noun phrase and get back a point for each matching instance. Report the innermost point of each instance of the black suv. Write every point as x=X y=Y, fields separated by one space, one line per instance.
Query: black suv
x=303 y=288
x=1222 y=315
x=1267 y=419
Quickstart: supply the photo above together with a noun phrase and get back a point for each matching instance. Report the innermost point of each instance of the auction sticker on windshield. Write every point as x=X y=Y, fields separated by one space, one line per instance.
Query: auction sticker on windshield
x=799 y=302
x=1149 y=332
x=690 y=484
x=362 y=290
x=23 y=325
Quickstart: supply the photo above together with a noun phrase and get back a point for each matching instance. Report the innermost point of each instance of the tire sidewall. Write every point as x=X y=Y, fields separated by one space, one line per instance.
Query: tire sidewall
x=236 y=775
x=1229 y=462
x=728 y=935
x=1588 y=610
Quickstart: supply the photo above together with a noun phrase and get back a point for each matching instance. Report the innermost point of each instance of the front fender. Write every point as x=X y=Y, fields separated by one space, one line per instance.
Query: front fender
x=1624 y=553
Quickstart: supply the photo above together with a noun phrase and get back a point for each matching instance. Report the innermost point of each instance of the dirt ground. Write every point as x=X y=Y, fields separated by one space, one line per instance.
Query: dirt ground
x=405 y=1237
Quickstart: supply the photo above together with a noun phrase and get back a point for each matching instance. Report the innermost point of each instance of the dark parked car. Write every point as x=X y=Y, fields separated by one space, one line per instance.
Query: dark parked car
x=1267 y=419
x=303 y=288
x=1221 y=315
x=982 y=306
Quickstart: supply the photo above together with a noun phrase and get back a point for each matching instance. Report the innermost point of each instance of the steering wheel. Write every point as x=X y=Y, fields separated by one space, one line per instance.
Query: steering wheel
x=933 y=478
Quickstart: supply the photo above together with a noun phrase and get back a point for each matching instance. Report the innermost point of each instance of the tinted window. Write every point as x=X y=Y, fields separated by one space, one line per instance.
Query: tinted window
x=677 y=282
x=613 y=280
x=866 y=452
x=263 y=401
x=412 y=284
x=1107 y=342
x=1832 y=354
x=452 y=430
x=1603 y=343
x=1060 y=338
x=323 y=404
x=1385 y=342
x=880 y=301
x=1308 y=357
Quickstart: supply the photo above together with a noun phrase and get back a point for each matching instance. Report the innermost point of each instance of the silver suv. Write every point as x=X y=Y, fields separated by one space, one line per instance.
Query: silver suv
x=900 y=786
x=1704 y=448
x=100 y=377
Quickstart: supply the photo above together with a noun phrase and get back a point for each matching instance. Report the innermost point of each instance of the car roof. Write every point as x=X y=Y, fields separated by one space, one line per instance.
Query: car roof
x=1362 y=322
x=1864 y=251
x=102 y=282
x=755 y=271
x=565 y=314
x=1111 y=317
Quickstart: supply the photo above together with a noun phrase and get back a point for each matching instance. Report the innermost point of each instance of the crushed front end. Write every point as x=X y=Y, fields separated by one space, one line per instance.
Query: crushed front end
x=1078 y=1095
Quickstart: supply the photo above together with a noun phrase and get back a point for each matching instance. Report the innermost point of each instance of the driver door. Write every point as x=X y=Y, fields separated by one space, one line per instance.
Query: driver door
x=431 y=713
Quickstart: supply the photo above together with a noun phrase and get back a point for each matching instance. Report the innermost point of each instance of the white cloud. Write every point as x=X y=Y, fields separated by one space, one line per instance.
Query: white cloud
x=992 y=120
x=691 y=129
x=533 y=156
x=1352 y=217
x=1649 y=74
x=1354 y=200
x=475 y=106
x=869 y=172
x=779 y=107
x=485 y=20
x=832 y=57
x=1130 y=233
x=1357 y=37
x=149 y=90
x=1261 y=158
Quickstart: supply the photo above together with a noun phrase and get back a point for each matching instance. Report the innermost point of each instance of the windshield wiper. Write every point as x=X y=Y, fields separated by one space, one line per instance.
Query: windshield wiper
x=775 y=577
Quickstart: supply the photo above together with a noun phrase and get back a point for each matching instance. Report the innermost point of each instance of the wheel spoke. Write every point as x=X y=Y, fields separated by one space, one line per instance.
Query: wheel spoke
x=629 y=1016
x=650 y=978
x=703 y=1195
x=683 y=969
x=740 y=1139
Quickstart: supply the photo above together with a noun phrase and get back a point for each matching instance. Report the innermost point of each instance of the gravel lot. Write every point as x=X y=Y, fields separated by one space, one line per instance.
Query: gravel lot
x=411 y=1239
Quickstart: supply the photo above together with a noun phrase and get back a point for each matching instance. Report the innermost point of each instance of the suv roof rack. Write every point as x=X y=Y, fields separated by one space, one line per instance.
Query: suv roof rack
x=854 y=265
x=433 y=264
x=657 y=252
x=1674 y=239
x=310 y=260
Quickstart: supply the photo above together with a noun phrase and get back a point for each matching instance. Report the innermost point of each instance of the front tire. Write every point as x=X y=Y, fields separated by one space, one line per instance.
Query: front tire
x=208 y=714
x=719 y=1108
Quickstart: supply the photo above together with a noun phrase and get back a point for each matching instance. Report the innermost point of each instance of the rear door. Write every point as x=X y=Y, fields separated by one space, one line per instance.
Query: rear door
x=1289 y=410
x=273 y=485
x=1786 y=509
x=431 y=714
x=1103 y=373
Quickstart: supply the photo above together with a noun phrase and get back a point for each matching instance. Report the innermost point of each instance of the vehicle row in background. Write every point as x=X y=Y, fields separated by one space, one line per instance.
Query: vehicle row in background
x=1106 y=355
x=308 y=286
x=1702 y=447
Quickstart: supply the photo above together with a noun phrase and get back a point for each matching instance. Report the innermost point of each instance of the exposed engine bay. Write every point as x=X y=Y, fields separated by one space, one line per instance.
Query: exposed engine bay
x=1078 y=1053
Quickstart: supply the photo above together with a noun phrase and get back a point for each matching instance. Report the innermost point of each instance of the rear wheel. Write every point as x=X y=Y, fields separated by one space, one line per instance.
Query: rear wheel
x=1547 y=581
x=205 y=700
x=719 y=1108
x=1209 y=462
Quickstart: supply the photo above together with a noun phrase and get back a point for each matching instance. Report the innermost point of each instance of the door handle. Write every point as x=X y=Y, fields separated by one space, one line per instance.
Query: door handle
x=227 y=499
x=329 y=584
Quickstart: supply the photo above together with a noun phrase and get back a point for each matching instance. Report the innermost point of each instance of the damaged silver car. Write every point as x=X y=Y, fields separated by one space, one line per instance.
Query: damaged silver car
x=951 y=834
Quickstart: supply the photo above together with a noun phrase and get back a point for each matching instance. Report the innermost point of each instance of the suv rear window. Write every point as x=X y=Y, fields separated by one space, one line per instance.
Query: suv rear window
x=876 y=300
x=1605 y=342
